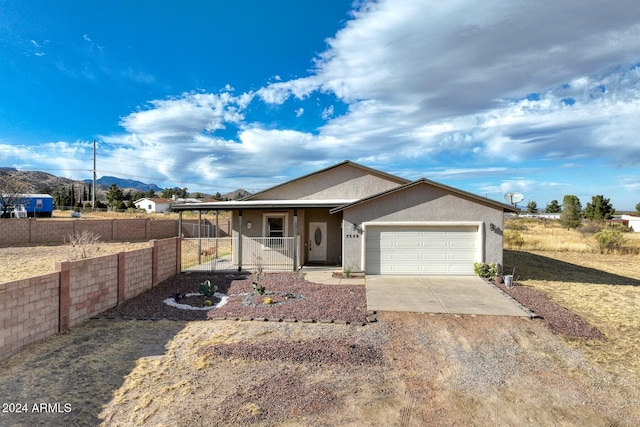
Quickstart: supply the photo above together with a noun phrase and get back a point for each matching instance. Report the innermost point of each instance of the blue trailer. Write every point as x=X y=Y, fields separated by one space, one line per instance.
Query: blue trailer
x=37 y=205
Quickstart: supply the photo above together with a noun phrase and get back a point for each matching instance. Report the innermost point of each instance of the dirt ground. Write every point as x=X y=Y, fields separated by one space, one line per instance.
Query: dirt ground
x=430 y=370
x=21 y=262
x=405 y=370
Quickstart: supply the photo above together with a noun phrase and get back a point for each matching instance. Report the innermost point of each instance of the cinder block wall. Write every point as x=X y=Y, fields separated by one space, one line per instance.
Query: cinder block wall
x=38 y=230
x=28 y=311
x=136 y=276
x=32 y=310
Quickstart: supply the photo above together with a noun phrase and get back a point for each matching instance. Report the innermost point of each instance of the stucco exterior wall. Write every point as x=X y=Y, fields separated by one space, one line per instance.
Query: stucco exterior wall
x=343 y=182
x=420 y=203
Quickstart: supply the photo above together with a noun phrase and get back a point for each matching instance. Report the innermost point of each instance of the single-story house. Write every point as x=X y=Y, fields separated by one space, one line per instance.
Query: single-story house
x=633 y=222
x=365 y=220
x=153 y=204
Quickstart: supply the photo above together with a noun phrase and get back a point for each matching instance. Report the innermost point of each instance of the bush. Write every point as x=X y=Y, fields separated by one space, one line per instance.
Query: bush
x=488 y=271
x=591 y=227
x=513 y=238
x=609 y=240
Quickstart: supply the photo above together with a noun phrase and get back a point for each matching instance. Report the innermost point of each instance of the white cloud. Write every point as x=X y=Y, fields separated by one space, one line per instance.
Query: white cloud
x=420 y=80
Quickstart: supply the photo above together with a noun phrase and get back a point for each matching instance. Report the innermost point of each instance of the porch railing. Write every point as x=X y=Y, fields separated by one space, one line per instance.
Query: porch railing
x=226 y=253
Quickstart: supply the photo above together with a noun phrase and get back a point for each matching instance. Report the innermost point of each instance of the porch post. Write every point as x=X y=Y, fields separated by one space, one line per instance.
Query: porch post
x=295 y=239
x=199 y=236
x=217 y=235
x=240 y=228
x=179 y=223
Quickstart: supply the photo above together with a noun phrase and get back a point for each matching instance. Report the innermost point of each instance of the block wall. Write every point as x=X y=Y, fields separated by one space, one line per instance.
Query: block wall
x=34 y=309
x=137 y=277
x=28 y=312
x=43 y=230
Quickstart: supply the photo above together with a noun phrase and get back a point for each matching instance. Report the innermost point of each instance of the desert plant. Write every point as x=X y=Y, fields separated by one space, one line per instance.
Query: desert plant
x=258 y=274
x=609 y=240
x=83 y=245
x=488 y=271
x=268 y=300
x=207 y=289
x=513 y=238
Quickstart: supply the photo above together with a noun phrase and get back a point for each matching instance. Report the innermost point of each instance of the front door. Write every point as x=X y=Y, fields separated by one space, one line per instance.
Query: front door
x=317 y=242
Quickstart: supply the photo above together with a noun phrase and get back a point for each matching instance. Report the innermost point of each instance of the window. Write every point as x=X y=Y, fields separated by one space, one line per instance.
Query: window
x=39 y=203
x=275 y=227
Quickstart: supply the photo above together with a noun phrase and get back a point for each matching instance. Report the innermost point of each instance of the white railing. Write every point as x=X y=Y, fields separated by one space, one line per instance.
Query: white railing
x=211 y=254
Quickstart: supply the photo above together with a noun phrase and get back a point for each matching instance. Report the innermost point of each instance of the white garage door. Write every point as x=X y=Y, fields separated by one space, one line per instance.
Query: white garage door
x=446 y=250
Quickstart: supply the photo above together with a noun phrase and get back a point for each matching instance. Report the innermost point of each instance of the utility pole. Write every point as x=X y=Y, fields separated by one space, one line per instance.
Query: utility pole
x=93 y=190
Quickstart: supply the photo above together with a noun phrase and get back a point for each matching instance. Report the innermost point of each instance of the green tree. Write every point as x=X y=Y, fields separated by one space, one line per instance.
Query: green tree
x=114 y=196
x=553 y=207
x=150 y=193
x=532 y=207
x=638 y=208
x=599 y=209
x=218 y=196
x=571 y=215
x=61 y=198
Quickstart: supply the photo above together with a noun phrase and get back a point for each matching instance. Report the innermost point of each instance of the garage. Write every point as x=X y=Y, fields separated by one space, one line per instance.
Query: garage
x=449 y=249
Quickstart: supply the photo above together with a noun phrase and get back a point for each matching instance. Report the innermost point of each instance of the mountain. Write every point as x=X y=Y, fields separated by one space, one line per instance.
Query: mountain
x=40 y=182
x=106 y=181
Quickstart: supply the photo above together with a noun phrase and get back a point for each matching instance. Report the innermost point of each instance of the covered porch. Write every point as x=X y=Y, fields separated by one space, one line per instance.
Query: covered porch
x=272 y=236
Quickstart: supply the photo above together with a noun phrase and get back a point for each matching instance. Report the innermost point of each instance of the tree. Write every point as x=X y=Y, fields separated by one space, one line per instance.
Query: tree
x=218 y=196
x=599 y=209
x=571 y=215
x=553 y=207
x=638 y=208
x=114 y=196
x=532 y=207
x=168 y=193
x=61 y=198
x=11 y=192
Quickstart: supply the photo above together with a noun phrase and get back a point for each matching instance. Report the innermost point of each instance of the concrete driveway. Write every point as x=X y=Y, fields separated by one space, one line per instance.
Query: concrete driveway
x=439 y=294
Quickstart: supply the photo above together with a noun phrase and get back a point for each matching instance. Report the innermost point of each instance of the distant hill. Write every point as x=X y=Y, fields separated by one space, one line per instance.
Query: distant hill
x=43 y=182
x=106 y=181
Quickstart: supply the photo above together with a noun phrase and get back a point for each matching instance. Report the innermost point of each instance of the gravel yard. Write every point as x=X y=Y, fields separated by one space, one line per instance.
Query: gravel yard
x=405 y=369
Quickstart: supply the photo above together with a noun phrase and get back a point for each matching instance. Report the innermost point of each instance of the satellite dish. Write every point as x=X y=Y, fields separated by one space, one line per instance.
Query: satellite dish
x=514 y=198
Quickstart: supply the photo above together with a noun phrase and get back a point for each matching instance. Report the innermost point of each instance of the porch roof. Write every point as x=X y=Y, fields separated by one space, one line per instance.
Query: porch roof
x=262 y=204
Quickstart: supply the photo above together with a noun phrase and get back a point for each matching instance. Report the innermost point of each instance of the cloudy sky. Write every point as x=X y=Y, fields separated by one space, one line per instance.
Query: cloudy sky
x=538 y=97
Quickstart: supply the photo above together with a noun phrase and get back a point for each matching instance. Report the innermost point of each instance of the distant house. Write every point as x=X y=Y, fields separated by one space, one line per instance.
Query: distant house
x=630 y=221
x=153 y=204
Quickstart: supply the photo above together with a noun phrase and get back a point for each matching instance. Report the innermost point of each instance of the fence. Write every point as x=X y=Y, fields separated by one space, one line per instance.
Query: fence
x=32 y=230
x=34 y=309
x=251 y=253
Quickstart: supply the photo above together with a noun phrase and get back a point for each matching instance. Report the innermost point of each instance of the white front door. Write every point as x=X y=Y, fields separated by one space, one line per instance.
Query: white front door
x=317 y=241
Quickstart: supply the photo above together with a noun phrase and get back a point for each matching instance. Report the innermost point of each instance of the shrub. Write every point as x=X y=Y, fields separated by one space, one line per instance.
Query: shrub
x=609 y=240
x=488 y=271
x=513 y=238
x=591 y=227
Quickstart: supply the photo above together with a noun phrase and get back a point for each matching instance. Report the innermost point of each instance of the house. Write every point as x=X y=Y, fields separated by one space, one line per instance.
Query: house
x=153 y=204
x=633 y=222
x=363 y=219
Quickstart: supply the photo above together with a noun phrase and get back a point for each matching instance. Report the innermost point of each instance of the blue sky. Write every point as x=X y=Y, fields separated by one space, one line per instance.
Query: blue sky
x=541 y=98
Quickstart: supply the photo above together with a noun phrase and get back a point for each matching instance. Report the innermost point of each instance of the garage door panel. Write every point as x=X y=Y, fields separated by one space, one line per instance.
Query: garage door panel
x=421 y=249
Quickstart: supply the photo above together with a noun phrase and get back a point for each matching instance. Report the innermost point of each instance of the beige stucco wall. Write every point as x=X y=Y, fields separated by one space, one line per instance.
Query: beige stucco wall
x=420 y=203
x=342 y=182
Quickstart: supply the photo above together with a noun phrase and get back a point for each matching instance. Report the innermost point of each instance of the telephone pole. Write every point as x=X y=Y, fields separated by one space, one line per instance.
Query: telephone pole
x=93 y=190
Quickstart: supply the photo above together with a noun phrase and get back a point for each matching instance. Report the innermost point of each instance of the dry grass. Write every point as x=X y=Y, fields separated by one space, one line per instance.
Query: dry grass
x=602 y=288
